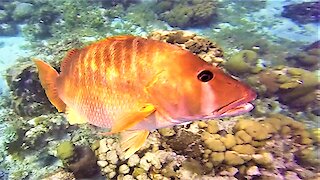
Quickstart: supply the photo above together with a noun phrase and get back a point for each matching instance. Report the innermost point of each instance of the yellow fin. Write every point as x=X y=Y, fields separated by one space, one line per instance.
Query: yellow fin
x=74 y=117
x=133 y=118
x=132 y=141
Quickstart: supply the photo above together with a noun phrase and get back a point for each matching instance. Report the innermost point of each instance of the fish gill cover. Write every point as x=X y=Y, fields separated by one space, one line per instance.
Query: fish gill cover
x=277 y=56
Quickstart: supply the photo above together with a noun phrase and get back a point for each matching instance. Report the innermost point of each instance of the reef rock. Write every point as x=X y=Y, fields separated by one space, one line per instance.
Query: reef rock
x=29 y=98
x=294 y=86
x=186 y=13
x=23 y=11
x=308 y=58
x=203 y=47
x=306 y=12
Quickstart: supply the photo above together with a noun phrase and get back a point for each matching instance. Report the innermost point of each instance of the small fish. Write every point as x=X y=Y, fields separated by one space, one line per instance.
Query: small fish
x=134 y=85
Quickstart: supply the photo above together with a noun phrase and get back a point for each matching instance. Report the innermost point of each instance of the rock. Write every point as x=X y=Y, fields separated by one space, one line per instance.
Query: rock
x=232 y=158
x=231 y=171
x=167 y=132
x=128 y=177
x=253 y=171
x=215 y=145
x=244 y=149
x=103 y=148
x=253 y=128
x=133 y=160
x=138 y=171
x=112 y=157
x=186 y=13
x=242 y=137
x=124 y=169
x=84 y=163
x=59 y=174
x=204 y=48
x=242 y=62
x=291 y=175
x=7 y=29
x=229 y=141
x=148 y=160
x=264 y=158
x=202 y=124
x=23 y=11
x=102 y=157
x=217 y=157
x=186 y=143
x=3 y=15
x=102 y=163
x=306 y=12
x=212 y=127
x=112 y=174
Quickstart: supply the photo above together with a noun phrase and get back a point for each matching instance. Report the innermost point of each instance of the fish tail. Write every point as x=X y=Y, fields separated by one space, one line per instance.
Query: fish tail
x=48 y=77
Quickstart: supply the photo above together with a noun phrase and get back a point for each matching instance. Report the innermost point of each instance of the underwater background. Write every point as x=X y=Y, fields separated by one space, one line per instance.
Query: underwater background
x=272 y=45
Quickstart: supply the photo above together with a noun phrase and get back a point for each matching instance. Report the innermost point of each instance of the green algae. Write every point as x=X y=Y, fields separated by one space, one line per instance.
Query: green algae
x=242 y=62
x=65 y=150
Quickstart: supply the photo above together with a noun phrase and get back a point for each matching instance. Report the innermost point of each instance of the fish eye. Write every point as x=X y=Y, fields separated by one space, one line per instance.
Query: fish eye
x=205 y=75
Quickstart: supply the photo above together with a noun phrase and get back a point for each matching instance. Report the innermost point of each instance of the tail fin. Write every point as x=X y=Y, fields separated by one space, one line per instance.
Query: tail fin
x=48 y=77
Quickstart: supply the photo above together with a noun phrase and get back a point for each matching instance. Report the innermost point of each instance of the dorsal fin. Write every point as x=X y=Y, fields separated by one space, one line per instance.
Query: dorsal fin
x=71 y=54
x=116 y=38
x=122 y=37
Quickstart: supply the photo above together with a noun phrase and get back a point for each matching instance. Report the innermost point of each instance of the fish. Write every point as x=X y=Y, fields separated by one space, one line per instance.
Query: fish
x=133 y=85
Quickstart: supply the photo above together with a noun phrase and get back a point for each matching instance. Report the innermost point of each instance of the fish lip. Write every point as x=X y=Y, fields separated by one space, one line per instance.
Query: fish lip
x=237 y=106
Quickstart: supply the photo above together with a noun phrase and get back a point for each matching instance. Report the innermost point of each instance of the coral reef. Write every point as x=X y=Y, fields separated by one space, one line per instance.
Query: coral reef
x=204 y=48
x=28 y=98
x=61 y=175
x=243 y=147
x=30 y=143
x=186 y=13
x=306 y=12
x=22 y=11
x=82 y=162
x=294 y=86
x=308 y=58
x=58 y=20
x=245 y=61
x=125 y=3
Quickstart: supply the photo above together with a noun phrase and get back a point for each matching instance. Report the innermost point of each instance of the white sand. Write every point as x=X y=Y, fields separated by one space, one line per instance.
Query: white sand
x=283 y=27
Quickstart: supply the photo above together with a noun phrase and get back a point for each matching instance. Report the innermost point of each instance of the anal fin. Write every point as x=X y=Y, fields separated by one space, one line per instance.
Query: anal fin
x=132 y=141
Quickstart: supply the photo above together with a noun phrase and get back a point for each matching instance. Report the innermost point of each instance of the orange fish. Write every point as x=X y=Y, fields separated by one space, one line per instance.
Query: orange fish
x=134 y=85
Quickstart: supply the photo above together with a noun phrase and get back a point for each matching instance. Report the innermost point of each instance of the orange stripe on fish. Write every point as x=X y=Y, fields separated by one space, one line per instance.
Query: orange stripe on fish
x=133 y=85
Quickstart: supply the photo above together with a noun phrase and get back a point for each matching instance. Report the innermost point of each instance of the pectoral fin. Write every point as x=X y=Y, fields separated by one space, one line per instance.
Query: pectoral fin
x=132 y=141
x=131 y=119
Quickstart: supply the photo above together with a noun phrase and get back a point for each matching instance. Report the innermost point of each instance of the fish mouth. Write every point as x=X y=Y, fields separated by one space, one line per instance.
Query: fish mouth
x=236 y=107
